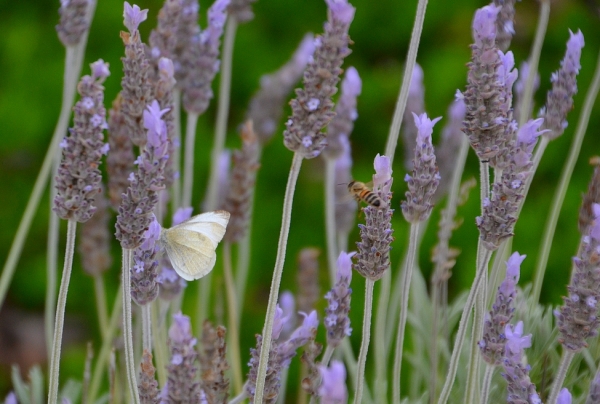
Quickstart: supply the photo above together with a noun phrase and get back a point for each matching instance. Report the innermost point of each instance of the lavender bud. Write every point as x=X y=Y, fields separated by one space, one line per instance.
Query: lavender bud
x=312 y=109
x=564 y=86
x=415 y=104
x=243 y=176
x=486 y=97
x=578 y=317
x=586 y=214
x=520 y=389
x=493 y=343
x=144 y=286
x=287 y=303
x=448 y=148
x=342 y=124
x=337 y=322
x=308 y=279
x=345 y=208
x=135 y=212
x=201 y=60
x=564 y=397
x=499 y=212
x=213 y=364
x=94 y=244
x=425 y=174
x=73 y=21
x=266 y=106
x=78 y=179
x=147 y=384
x=376 y=235
x=241 y=10
x=505 y=21
x=119 y=161
x=186 y=30
x=182 y=369
x=164 y=95
x=301 y=336
x=333 y=389
x=163 y=39
x=594 y=393
x=136 y=86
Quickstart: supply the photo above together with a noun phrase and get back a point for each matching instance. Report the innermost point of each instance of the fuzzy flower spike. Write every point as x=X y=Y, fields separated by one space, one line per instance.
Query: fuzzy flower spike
x=79 y=177
x=373 y=256
x=73 y=21
x=313 y=109
x=564 y=86
x=337 y=321
x=425 y=179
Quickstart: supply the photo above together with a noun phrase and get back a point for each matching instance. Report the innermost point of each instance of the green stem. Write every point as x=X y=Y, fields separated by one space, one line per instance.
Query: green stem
x=330 y=228
x=381 y=349
x=176 y=194
x=233 y=318
x=188 y=168
x=352 y=368
x=406 y=277
x=364 y=345
x=60 y=313
x=159 y=331
x=105 y=349
x=239 y=398
x=487 y=383
x=462 y=325
x=51 y=259
x=277 y=272
x=127 y=327
x=565 y=178
x=411 y=59
x=472 y=389
x=101 y=304
x=565 y=362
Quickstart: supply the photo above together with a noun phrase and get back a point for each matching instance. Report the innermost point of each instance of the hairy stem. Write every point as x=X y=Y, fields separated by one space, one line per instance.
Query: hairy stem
x=100 y=293
x=232 y=319
x=60 y=313
x=381 y=349
x=364 y=344
x=565 y=362
x=277 y=272
x=127 y=326
x=487 y=383
x=188 y=168
x=330 y=227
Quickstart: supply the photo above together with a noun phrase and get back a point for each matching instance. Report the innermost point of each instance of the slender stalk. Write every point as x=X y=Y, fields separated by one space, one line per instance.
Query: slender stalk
x=352 y=368
x=204 y=297
x=239 y=398
x=411 y=58
x=406 y=276
x=487 y=383
x=381 y=349
x=105 y=349
x=364 y=345
x=188 y=168
x=212 y=193
x=563 y=183
x=462 y=325
x=159 y=341
x=277 y=272
x=437 y=293
x=330 y=227
x=176 y=190
x=73 y=62
x=146 y=327
x=565 y=362
x=51 y=266
x=533 y=60
x=472 y=389
x=232 y=319
x=127 y=328
x=100 y=293
x=60 y=313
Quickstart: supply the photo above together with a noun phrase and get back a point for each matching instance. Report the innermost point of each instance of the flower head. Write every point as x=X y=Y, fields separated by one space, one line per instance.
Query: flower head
x=333 y=389
x=133 y=16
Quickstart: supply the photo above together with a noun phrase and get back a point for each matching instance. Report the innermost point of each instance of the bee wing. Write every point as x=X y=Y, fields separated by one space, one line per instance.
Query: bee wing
x=210 y=224
x=191 y=253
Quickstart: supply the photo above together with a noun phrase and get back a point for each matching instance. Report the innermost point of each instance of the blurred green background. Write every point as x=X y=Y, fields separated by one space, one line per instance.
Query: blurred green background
x=31 y=66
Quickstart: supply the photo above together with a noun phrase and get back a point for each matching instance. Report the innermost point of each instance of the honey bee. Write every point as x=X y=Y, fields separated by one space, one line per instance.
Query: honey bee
x=361 y=192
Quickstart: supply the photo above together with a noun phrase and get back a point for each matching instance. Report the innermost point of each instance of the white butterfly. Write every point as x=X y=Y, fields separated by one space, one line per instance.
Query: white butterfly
x=191 y=245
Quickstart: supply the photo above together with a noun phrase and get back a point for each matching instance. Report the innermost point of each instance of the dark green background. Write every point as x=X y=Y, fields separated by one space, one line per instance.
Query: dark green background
x=31 y=66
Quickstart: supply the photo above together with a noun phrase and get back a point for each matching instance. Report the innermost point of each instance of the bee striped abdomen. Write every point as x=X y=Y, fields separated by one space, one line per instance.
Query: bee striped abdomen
x=362 y=193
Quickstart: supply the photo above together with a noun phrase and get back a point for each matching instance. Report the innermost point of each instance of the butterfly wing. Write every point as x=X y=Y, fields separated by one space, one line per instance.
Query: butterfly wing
x=191 y=245
x=210 y=224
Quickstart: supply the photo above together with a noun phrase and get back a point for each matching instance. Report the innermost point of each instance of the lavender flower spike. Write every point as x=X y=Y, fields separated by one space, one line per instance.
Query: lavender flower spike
x=78 y=179
x=312 y=109
x=494 y=340
x=183 y=368
x=73 y=21
x=373 y=257
x=337 y=321
x=333 y=389
x=564 y=397
x=342 y=124
x=425 y=179
x=578 y=317
x=564 y=87
x=133 y=16
x=135 y=212
x=505 y=23
x=520 y=389
x=144 y=286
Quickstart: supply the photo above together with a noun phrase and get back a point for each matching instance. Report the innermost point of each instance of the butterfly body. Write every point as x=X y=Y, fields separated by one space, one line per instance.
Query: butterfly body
x=191 y=245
